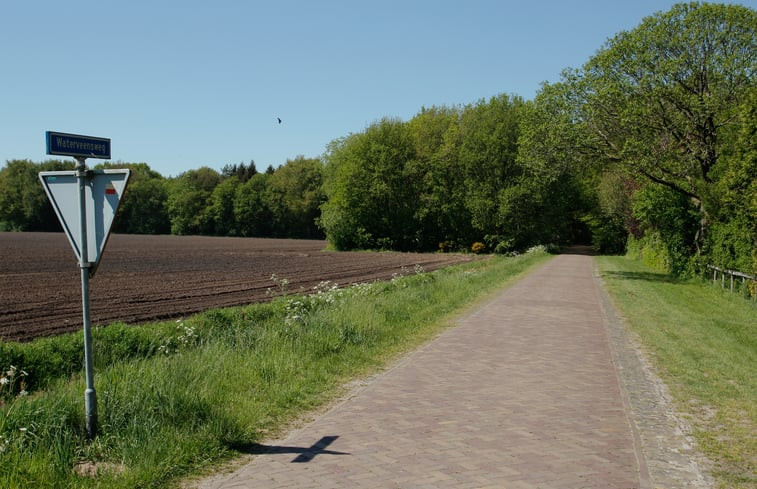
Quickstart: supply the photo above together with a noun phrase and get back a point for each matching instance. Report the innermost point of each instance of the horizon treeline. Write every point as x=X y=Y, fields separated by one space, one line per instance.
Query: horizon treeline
x=649 y=148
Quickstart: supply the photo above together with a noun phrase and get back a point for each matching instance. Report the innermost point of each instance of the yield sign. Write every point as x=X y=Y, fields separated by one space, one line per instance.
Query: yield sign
x=103 y=192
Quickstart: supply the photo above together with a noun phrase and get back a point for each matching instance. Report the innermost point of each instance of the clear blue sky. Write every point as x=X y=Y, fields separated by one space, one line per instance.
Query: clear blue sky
x=185 y=84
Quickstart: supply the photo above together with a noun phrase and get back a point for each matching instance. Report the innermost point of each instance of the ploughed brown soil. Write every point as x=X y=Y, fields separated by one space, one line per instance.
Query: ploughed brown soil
x=146 y=278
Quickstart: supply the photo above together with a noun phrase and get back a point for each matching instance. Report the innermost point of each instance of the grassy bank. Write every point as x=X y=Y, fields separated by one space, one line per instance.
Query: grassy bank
x=175 y=398
x=704 y=342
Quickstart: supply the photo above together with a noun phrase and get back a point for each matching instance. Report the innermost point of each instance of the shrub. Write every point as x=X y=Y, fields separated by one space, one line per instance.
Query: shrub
x=730 y=245
x=478 y=247
x=669 y=223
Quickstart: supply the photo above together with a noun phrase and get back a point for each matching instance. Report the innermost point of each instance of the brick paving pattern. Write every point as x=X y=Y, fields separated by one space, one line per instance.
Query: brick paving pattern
x=522 y=394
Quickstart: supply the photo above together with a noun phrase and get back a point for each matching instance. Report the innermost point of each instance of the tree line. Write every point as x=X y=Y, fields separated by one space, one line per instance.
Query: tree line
x=649 y=147
x=237 y=201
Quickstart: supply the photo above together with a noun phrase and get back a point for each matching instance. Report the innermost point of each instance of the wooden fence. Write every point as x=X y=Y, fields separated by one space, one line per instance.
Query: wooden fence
x=732 y=274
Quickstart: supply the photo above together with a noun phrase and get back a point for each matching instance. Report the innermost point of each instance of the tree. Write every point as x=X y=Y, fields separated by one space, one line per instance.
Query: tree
x=554 y=135
x=441 y=216
x=371 y=197
x=144 y=205
x=220 y=211
x=241 y=171
x=668 y=222
x=489 y=134
x=189 y=199
x=661 y=99
x=24 y=206
x=251 y=213
x=294 y=196
x=732 y=240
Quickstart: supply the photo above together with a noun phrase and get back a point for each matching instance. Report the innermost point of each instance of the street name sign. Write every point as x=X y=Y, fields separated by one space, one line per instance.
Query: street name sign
x=63 y=144
x=103 y=192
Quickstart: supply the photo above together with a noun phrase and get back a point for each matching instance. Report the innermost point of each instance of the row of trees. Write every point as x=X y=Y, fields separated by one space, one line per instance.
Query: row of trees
x=238 y=201
x=447 y=178
x=663 y=116
x=650 y=145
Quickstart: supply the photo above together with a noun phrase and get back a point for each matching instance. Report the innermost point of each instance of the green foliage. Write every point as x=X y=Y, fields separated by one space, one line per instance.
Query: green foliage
x=440 y=215
x=732 y=238
x=452 y=177
x=370 y=199
x=669 y=221
x=661 y=95
x=555 y=139
x=489 y=135
x=189 y=199
x=608 y=236
x=732 y=245
x=656 y=103
x=143 y=208
x=294 y=195
x=251 y=213
x=23 y=203
x=612 y=220
x=241 y=171
x=220 y=208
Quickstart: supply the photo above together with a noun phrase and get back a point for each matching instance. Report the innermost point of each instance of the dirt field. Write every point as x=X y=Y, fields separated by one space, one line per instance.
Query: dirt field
x=145 y=278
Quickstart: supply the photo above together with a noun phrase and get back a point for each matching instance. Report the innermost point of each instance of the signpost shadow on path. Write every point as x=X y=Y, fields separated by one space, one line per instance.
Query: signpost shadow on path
x=304 y=455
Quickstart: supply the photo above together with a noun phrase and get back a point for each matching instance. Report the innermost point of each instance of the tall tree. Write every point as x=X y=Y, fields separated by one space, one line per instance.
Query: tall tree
x=189 y=200
x=732 y=241
x=371 y=197
x=144 y=206
x=221 y=207
x=251 y=212
x=294 y=196
x=441 y=216
x=501 y=200
x=662 y=98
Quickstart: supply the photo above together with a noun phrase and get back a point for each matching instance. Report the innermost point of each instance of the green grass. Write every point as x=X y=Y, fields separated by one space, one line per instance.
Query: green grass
x=178 y=398
x=703 y=340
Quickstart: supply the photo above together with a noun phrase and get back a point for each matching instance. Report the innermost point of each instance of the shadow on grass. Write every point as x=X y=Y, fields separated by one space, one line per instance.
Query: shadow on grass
x=303 y=454
x=645 y=276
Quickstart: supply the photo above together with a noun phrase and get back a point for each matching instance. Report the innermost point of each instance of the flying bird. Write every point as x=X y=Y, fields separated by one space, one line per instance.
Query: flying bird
x=279 y=119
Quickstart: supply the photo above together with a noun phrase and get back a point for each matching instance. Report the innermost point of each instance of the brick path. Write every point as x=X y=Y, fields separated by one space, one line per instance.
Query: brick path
x=522 y=394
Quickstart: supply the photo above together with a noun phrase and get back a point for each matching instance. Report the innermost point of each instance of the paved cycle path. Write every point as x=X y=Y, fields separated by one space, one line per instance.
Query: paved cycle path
x=523 y=393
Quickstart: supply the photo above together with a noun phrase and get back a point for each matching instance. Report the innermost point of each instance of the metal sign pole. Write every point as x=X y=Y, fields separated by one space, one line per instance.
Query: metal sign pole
x=90 y=396
x=70 y=192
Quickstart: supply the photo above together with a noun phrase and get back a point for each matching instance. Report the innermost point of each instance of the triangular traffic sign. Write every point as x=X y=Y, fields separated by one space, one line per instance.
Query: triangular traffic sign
x=102 y=196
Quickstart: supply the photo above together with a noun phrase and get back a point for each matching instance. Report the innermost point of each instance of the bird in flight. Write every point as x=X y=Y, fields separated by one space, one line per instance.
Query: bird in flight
x=279 y=119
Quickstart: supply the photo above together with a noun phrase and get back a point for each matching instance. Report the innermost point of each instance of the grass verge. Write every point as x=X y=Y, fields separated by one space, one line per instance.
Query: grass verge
x=177 y=398
x=703 y=340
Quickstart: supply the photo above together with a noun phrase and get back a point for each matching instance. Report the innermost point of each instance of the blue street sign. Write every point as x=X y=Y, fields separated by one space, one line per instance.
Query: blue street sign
x=59 y=143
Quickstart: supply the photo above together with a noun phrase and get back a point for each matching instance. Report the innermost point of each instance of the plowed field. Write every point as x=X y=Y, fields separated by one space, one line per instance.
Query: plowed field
x=145 y=278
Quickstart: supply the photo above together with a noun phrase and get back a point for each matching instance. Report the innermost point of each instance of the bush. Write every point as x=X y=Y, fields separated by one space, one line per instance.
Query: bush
x=478 y=247
x=669 y=224
x=730 y=245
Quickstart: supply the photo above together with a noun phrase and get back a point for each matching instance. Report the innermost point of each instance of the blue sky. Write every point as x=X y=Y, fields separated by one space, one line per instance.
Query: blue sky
x=185 y=84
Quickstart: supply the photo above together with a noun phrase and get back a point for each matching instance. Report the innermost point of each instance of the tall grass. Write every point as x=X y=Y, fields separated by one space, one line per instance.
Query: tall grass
x=704 y=341
x=174 y=398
